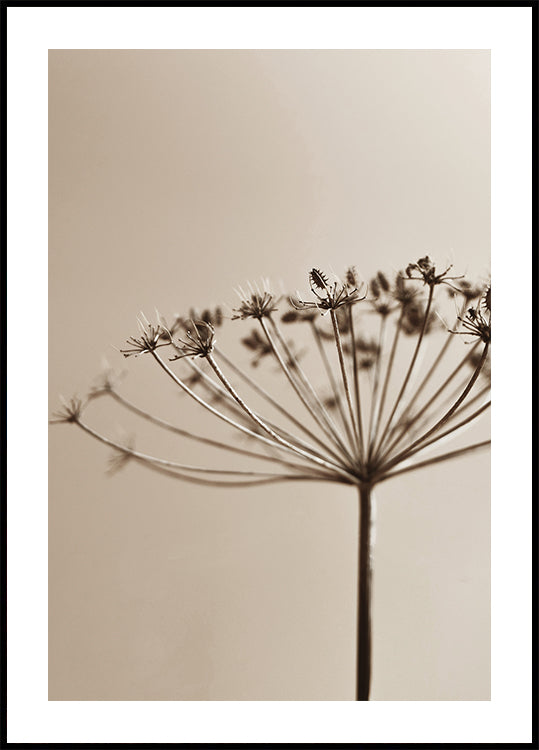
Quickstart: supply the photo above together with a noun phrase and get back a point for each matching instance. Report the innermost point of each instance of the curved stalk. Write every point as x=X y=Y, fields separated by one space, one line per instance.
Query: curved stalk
x=277 y=438
x=440 y=423
x=435 y=460
x=280 y=443
x=407 y=425
x=172 y=465
x=269 y=398
x=200 y=438
x=429 y=374
x=238 y=411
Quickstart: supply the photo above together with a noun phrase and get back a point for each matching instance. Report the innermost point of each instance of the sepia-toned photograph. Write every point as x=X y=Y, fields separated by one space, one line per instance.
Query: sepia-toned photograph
x=269 y=375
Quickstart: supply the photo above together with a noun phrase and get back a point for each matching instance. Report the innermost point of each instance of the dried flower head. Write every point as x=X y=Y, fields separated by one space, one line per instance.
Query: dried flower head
x=256 y=303
x=427 y=273
x=148 y=341
x=381 y=410
x=200 y=341
x=107 y=382
x=70 y=411
x=476 y=324
x=329 y=296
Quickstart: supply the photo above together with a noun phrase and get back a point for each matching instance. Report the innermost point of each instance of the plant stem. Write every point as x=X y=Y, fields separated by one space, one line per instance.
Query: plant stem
x=410 y=368
x=378 y=407
x=428 y=376
x=277 y=442
x=440 y=423
x=276 y=404
x=346 y=385
x=407 y=424
x=317 y=413
x=376 y=383
x=276 y=437
x=329 y=371
x=201 y=439
x=363 y=661
x=435 y=460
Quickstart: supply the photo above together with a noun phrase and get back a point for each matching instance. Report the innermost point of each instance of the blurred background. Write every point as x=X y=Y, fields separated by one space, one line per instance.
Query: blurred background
x=175 y=177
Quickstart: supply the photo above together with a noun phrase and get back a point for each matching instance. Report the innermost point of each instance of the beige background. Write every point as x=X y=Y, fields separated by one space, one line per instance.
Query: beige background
x=174 y=177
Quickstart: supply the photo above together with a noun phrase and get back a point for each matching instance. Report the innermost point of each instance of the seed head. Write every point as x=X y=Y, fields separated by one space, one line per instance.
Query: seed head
x=427 y=273
x=476 y=324
x=256 y=303
x=200 y=341
x=69 y=412
x=329 y=296
x=148 y=341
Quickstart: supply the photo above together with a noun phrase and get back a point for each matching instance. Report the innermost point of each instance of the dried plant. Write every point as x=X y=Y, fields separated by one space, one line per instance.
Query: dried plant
x=372 y=425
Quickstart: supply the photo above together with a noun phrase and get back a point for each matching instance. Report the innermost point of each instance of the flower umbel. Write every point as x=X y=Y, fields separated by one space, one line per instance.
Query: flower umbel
x=148 y=341
x=427 y=273
x=475 y=323
x=258 y=303
x=200 y=341
x=329 y=296
x=370 y=398
x=70 y=411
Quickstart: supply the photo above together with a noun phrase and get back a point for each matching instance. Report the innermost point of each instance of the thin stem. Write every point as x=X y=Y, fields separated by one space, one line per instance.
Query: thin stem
x=440 y=423
x=428 y=376
x=277 y=438
x=364 y=646
x=280 y=443
x=314 y=412
x=267 y=396
x=344 y=376
x=199 y=438
x=376 y=383
x=379 y=408
x=224 y=394
x=410 y=368
x=421 y=424
x=309 y=388
x=170 y=464
x=406 y=427
x=329 y=372
x=356 y=383
x=247 y=483
x=405 y=455
x=437 y=459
